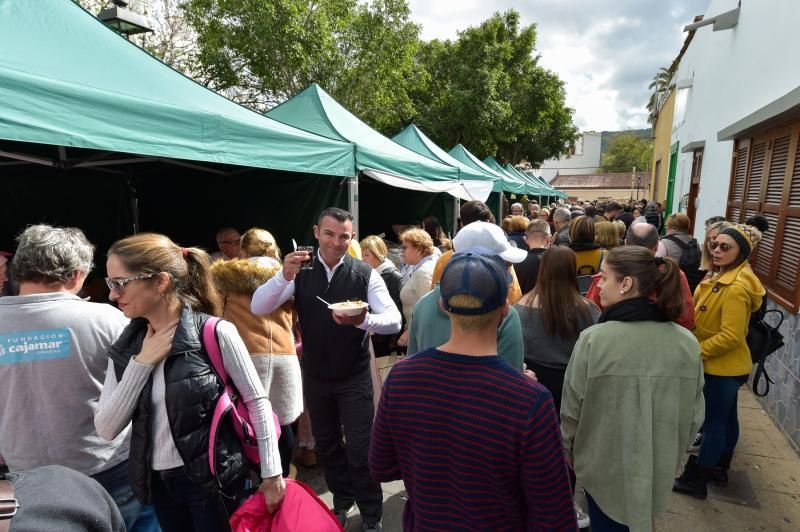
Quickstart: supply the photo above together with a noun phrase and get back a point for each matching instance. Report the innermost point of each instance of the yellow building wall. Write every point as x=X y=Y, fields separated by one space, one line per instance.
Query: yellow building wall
x=662 y=134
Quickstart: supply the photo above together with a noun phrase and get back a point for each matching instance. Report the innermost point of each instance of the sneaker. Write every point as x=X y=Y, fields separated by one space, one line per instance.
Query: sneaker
x=373 y=527
x=583 y=519
x=342 y=514
x=698 y=441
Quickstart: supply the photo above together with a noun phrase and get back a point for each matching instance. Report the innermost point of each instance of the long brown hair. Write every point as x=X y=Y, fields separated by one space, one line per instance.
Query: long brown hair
x=563 y=308
x=188 y=268
x=650 y=274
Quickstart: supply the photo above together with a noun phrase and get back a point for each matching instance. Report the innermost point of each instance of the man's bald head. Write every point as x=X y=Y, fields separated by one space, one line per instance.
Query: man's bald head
x=642 y=234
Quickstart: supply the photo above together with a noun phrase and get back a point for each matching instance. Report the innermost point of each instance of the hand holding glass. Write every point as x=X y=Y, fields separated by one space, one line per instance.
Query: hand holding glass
x=308 y=264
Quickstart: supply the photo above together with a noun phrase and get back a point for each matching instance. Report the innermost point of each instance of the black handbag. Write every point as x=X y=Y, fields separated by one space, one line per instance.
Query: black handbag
x=763 y=339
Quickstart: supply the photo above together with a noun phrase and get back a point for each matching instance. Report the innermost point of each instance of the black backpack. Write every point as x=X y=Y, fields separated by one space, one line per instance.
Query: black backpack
x=763 y=339
x=690 y=260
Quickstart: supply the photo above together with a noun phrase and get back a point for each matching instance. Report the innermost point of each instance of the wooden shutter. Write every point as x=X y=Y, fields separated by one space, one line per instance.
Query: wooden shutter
x=697 y=166
x=765 y=179
x=738 y=177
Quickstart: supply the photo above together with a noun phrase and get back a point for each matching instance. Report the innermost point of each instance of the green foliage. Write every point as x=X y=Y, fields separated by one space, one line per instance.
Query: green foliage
x=269 y=50
x=626 y=151
x=487 y=91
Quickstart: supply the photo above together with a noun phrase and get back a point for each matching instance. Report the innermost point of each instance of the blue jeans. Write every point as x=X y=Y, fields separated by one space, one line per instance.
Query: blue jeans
x=721 y=426
x=600 y=521
x=138 y=517
x=182 y=506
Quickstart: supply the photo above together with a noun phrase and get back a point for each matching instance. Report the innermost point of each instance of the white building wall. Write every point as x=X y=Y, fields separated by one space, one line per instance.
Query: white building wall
x=734 y=72
x=585 y=161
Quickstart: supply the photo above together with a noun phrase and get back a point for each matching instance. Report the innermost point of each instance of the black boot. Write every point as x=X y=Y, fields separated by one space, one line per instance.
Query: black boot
x=720 y=472
x=693 y=480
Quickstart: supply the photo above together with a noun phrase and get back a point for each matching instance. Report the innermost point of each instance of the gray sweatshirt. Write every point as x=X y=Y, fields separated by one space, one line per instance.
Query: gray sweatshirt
x=52 y=366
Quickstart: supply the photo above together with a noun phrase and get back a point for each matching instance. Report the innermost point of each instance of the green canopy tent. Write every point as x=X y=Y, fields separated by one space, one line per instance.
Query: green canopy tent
x=463 y=155
x=478 y=183
x=93 y=131
x=512 y=183
x=533 y=188
x=376 y=156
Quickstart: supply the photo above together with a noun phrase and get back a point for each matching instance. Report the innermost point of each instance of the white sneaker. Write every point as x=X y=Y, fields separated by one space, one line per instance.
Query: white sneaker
x=583 y=519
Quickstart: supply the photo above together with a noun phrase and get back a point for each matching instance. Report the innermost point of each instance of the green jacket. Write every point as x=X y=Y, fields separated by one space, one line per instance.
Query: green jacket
x=632 y=402
x=430 y=327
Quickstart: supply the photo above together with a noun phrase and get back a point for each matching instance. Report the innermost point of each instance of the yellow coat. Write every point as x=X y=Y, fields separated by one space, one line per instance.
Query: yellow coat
x=722 y=308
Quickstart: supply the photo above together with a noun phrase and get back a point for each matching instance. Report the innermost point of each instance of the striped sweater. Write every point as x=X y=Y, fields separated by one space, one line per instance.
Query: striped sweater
x=476 y=443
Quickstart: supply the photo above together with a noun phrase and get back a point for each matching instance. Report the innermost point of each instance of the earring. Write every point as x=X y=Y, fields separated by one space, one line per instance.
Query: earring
x=622 y=292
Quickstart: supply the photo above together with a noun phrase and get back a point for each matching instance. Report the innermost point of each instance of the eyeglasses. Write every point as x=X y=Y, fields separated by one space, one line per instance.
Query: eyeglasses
x=119 y=284
x=724 y=246
x=228 y=242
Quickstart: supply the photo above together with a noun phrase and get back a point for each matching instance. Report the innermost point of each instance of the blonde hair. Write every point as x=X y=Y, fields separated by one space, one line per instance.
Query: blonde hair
x=472 y=323
x=188 y=268
x=420 y=239
x=257 y=242
x=622 y=229
x=375 y=245
x=518 y=223
x=606 y=234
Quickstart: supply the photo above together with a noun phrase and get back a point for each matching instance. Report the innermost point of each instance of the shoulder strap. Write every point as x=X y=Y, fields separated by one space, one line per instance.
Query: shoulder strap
x=211 y=343
x=673 y=238
x=602 y=257
x=8 y=504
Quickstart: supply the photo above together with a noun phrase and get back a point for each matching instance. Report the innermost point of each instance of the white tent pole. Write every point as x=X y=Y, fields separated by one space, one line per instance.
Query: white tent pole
x=456 y=212
x=352 y=202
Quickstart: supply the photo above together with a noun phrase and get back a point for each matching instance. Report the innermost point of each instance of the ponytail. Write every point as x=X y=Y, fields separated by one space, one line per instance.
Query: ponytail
x=669 y=288
x=650 y=274
x=199 y=291
x=188 y=268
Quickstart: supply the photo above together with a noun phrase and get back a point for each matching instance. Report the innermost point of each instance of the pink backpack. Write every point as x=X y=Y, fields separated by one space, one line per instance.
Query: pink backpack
x=229 y=401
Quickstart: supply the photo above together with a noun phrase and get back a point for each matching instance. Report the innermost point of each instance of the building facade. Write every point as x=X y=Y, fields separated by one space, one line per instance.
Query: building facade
x=583 y=159
x=735 y=143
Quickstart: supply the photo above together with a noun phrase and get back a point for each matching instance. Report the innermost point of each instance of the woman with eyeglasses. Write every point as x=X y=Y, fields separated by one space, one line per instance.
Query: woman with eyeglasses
x=723 y=304
x=160 y=379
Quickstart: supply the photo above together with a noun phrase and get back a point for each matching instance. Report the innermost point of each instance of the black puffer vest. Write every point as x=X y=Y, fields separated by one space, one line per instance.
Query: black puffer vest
x=191 y=392
x=331 y=351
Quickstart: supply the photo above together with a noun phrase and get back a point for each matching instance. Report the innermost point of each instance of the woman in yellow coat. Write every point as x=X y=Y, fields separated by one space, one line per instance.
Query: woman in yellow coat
x=723 y=305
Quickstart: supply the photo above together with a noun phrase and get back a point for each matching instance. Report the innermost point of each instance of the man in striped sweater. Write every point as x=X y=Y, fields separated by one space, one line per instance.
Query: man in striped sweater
x=476 y=442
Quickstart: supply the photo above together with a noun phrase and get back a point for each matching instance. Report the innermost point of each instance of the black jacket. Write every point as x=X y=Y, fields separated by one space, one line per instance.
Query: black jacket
x=331 y=352
x=191 y=393
x=383 y=343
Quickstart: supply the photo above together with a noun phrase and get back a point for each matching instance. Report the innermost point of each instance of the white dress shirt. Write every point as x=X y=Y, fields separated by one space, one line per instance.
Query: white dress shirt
x=382 y=318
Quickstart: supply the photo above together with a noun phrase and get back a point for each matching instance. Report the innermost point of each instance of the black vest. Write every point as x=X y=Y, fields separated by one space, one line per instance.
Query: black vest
x=191 y=392
x=331 y=351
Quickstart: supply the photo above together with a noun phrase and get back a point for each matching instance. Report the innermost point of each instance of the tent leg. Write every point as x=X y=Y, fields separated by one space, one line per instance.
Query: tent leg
x=352 y=202
x=456 y=214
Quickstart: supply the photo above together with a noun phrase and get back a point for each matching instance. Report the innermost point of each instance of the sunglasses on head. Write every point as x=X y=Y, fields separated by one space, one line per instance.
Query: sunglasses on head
x=724 y=246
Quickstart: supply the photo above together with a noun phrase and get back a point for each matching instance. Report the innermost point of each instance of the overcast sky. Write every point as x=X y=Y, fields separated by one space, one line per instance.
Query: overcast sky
x=607 y=51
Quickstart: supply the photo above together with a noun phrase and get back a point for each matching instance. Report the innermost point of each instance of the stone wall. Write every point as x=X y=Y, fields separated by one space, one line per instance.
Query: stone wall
x=783 y=401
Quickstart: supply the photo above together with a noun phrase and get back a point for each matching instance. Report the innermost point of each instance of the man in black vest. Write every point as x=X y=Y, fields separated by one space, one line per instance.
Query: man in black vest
x=336 y=374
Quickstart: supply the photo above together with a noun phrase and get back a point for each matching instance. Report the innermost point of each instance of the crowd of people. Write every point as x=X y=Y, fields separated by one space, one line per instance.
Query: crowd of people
x=514 y=387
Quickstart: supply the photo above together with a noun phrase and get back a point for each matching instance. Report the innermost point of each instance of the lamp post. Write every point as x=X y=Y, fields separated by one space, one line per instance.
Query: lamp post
x=123 y=20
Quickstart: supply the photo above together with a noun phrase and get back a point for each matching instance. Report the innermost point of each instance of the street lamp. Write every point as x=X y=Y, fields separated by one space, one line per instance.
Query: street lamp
x=123 y=20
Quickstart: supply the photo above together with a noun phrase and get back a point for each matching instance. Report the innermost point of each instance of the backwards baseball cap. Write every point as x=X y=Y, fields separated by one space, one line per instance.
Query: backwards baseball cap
x=490 y=237
x=477 y=275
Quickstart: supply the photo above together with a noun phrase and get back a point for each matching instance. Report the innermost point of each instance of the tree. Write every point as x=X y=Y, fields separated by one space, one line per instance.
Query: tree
x=659 y=86
x=626 y=151
x=266 y=51
x=487 y=91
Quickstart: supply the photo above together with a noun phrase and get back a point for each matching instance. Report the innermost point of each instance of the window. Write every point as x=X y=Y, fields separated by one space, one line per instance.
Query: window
x=765 y=178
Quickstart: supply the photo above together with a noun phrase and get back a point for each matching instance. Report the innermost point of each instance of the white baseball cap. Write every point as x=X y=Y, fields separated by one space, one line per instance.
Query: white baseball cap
x=491 y=238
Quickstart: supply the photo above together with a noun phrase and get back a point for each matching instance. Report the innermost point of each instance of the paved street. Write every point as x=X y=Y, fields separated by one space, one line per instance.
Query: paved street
x=763 y=493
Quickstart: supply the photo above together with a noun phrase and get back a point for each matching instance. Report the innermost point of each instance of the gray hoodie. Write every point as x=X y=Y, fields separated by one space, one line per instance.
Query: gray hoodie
x=52 y=366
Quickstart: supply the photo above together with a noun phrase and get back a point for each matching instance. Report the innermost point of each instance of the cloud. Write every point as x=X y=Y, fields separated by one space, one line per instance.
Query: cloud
x=607 y=52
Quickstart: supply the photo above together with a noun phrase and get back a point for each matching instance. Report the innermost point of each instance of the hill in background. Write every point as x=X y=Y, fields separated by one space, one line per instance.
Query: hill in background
x=606 y=137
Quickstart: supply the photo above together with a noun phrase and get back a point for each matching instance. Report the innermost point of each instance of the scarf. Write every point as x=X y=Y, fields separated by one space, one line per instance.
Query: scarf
x=636 y=309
